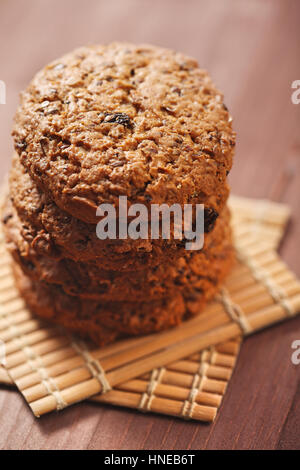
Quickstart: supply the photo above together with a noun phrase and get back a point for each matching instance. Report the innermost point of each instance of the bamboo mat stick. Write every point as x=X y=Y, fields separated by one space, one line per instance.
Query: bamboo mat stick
x=214 y=357
x=172 y=392
x=4 y=377
x=268 y=261
x=8 y=296
x=230 y=347
x=213 y=372
x=159 y=405
x=186 y=380
x=52 y=355
x=24 y=329
x=270 y=212
x=50 y=344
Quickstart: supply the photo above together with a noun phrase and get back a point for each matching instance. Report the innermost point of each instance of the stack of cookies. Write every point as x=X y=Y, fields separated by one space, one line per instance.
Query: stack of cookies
x=100 y=123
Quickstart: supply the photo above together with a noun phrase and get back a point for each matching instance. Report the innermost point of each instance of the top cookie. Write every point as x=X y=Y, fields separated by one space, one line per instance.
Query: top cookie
x=121 y=119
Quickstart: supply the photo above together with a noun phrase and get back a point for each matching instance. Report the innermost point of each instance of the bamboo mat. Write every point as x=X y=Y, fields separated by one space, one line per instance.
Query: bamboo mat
x=53 y=371
x=267 y=220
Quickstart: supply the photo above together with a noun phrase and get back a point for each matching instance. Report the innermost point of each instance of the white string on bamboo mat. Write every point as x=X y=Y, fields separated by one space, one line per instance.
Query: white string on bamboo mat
x=35 y=362
x=197 y=385
x=93 y=365
x=261 y=275
x=234 y=311
x=148 y=396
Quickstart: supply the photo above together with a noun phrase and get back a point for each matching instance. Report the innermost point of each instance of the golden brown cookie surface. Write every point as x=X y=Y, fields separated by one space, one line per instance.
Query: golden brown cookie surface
x=114 y=120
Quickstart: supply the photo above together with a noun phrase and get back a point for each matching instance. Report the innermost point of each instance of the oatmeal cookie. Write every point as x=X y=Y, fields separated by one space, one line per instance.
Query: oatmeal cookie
x=121 y=119
x=78 y=240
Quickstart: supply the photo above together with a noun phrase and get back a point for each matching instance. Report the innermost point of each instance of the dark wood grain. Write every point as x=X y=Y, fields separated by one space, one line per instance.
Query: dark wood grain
x=252 y=50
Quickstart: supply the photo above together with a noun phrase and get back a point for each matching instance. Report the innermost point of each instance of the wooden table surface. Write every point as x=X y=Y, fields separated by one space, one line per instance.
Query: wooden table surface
x=252 y=50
